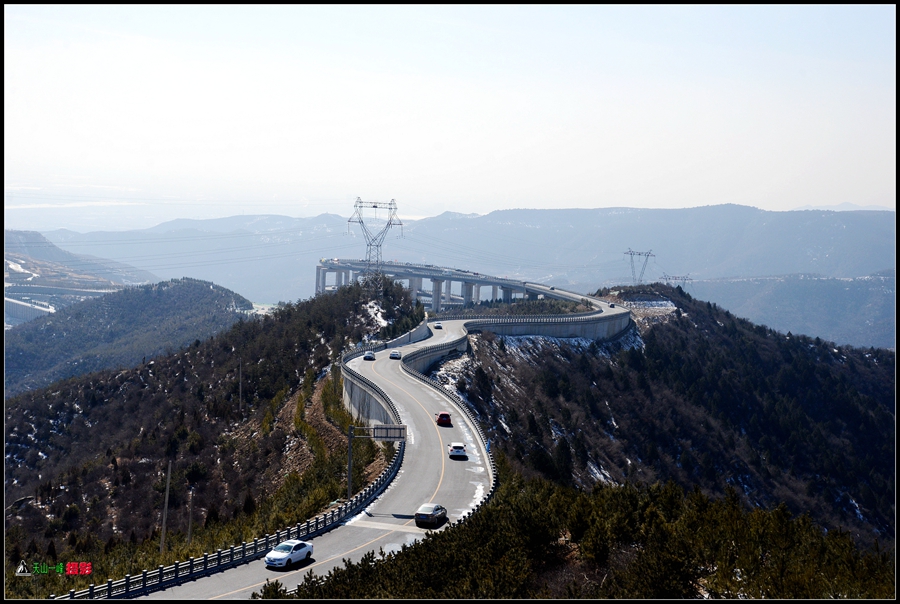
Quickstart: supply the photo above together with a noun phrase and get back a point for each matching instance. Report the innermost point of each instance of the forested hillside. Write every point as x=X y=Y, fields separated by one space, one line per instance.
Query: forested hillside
x=86 y=458
x=703 y=398
x=537 y=539
x=116 y=330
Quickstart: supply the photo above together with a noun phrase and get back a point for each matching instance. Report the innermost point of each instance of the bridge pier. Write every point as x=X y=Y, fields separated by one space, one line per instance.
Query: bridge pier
x=467 y=293
x=436 y=287
x=320 y=286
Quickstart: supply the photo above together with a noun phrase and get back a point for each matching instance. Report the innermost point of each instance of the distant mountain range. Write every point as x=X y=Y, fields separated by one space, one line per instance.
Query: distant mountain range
x=273 y=258
x=847 y=207
x=40 y=277
x=860 y=311
x=119 y=329
x=36 y=246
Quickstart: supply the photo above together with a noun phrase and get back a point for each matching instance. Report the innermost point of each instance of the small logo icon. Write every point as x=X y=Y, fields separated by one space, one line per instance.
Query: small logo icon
x=22 y=570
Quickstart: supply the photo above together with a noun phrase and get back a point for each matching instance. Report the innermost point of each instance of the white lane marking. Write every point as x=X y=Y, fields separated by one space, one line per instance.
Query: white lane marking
x=387 y=527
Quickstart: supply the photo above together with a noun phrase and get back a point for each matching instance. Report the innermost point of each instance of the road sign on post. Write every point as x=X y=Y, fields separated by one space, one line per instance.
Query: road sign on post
x=382 y=432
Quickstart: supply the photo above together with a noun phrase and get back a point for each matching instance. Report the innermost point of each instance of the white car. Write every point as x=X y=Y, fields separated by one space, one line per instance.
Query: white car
x=438 y=325
x=395 y=354
x=457 y=450
x=369 y=356
x=287 y=553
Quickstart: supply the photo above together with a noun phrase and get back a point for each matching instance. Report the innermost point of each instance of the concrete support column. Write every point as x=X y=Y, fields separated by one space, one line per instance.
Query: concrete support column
x=477 y=294
x=467 y=293
x=346 y=278
x=493 y=293
x=531 y=295
x=318 y=279
x=447 y=290
x=507 y=293
x=436 y=287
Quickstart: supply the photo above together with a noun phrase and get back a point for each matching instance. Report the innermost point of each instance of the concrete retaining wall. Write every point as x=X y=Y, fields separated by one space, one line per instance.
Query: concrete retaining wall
x=361 y=401
x=418 y=334
x=423 y=359
x=601 y=328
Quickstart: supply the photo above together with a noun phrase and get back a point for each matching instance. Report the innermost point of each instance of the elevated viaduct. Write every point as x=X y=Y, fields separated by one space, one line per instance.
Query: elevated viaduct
x=440 y=282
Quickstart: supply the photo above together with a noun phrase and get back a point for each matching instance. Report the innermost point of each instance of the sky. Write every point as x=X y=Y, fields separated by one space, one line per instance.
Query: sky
x=119 y=117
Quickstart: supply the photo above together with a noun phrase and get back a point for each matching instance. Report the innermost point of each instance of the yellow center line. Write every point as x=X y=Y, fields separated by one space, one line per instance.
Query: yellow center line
x=387 y=532
x=438 y=432
x=305 y=568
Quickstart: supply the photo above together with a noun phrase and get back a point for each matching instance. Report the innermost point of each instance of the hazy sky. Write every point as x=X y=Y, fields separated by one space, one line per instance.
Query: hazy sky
x=127 y=116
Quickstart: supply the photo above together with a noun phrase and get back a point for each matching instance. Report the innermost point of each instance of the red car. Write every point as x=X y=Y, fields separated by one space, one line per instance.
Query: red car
x=443 y=419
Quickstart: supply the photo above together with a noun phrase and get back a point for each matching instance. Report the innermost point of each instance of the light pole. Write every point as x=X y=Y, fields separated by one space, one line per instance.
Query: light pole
x=162 y=539
x=190 y=515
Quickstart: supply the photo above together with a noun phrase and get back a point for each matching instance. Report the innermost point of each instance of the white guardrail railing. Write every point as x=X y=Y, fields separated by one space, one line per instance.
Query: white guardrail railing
x=223 y=559
x=175 y=574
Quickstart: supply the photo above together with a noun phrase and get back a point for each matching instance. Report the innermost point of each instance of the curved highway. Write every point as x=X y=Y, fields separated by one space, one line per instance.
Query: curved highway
x=427 y=475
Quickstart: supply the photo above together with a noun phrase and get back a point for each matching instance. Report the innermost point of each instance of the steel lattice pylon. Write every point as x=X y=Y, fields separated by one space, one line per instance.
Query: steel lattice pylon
x=637 y=280
x=372 y=276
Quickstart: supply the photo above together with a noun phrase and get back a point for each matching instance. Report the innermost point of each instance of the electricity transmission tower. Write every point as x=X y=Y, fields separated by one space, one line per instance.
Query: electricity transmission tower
x=676 y=278
x=372 y=275
x=646 y=255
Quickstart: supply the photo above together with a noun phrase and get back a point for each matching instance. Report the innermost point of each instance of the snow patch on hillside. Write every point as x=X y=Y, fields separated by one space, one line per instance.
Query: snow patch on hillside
x=376 y=314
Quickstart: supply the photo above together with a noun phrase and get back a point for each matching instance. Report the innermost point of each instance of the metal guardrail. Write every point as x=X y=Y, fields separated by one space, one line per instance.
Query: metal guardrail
x=458 y=402
x=179 y=572
x=175 y=574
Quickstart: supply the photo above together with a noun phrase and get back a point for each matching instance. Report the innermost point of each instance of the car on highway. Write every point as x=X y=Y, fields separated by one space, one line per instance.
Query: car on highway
x=438 y=325
x=395 y=354
x=443 y=419
x=431 y=513
x=457 y=450
x=369 y=356
x=287 y=553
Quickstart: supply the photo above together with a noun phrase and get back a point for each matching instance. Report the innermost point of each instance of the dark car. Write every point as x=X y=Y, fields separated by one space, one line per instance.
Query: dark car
x=431 y=513
x=443 y=418
x=369 y=356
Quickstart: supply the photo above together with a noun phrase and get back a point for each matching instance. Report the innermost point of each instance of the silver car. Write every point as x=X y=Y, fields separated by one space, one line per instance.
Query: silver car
x=431 y=513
